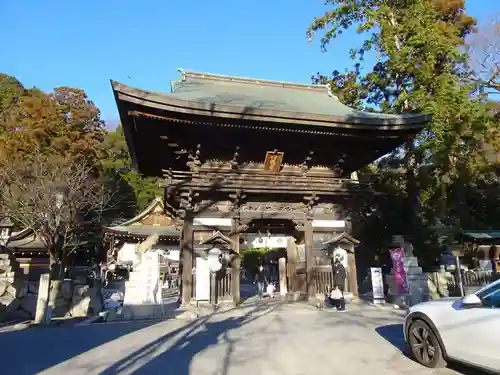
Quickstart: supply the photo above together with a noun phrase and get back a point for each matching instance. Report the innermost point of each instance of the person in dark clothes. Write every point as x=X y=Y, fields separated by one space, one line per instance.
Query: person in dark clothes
x=260 y=280
x=339 y=276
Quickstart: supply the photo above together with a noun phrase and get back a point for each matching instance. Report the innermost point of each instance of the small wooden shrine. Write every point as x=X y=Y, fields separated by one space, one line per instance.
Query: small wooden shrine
x=246 y=157
x=30 y=252
x=33 y=256
x=121 y=239
x=481 y=247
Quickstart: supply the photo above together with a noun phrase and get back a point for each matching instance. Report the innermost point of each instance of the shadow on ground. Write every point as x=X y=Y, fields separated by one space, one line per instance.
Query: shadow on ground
x=37 y=349
x=393 y=333
x=30 y=351
x=175 y=358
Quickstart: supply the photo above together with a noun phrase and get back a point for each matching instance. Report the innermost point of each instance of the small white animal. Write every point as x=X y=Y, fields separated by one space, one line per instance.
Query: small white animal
x=320 y=301
x=270 y=290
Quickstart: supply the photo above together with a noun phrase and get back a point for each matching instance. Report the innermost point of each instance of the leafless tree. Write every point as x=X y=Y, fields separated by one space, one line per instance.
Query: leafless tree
x=484 y=51
x=62 y=201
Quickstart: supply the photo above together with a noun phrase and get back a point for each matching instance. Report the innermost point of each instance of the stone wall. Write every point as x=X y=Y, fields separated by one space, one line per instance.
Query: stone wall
x=18 y=297
x=12 y=289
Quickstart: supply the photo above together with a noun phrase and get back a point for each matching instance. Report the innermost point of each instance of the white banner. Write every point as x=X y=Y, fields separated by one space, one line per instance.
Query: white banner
x=377 y=285
x=151 y=275
x=202 y=287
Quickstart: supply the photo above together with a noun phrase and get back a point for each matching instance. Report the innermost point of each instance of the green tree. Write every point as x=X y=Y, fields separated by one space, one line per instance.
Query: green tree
x=420 y=65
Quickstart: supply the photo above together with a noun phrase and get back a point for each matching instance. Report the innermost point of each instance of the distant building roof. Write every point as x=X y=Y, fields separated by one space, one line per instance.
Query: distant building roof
x=25 y=239
x=152 y=220
x=480 y=235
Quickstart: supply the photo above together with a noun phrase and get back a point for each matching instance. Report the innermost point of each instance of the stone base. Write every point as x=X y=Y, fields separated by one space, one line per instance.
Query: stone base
x=418 y=288
x=131 y=312
x=221 y=303
x=417 y=285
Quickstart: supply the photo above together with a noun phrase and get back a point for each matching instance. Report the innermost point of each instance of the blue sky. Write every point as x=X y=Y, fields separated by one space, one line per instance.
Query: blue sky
x=142 y=43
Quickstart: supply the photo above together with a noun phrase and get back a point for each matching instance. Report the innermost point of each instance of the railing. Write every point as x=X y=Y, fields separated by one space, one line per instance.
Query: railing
x=262 y=180
x=223 y=284
x=472 y=280
x=323 y=279
x=473 y=277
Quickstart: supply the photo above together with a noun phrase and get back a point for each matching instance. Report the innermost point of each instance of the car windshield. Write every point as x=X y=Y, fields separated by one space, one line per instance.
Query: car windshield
x=491 y=293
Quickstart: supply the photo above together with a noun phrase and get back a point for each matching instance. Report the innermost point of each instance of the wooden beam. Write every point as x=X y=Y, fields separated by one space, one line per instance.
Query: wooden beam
x=308 y=242
x=291 y=255
x=235 y=266
x=186 y=255
x=352 y=271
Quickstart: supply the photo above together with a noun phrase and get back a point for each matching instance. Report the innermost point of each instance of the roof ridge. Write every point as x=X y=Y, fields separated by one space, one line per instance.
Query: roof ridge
x=227 y=78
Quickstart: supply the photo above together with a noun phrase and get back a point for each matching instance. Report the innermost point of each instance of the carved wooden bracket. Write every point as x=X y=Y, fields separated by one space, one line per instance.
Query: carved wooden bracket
x=306 y=164
x=311 y=201
x=339 y=165
x=188 y=200
x=235 y=162
x=299 y=225
x=237 y=199
x=194 y=162
x=242 y=228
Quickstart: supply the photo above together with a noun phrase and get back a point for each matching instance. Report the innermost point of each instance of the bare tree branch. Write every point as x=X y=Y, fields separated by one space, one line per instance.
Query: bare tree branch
x=484 y=51
x=61 y=200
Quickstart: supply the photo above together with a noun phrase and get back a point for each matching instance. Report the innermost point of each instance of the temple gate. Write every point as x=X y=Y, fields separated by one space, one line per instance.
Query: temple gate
x=242 y=155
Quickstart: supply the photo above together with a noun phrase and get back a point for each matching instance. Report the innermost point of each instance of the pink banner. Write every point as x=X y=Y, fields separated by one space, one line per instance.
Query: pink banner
x=398 y=264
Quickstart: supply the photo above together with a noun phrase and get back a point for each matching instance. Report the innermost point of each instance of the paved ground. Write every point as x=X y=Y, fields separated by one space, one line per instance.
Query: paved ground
x=261 y=338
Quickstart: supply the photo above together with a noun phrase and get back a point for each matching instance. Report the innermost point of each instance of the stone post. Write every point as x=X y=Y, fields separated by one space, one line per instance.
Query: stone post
x=43 y=311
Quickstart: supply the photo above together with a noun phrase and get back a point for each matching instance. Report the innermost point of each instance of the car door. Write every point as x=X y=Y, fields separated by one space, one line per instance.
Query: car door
x=474 y=334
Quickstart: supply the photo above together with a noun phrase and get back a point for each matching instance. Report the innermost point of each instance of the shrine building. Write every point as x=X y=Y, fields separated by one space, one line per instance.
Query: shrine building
x=248 y=161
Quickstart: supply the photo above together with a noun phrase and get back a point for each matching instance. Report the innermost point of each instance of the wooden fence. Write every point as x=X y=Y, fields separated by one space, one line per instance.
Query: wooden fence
x=472 y=280
x=223 y=283
x=323 y=278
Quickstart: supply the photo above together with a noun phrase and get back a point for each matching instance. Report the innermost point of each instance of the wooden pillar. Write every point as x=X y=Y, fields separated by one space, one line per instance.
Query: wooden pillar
x=186 y=257
x=308 y=241
x=291 y=254
x=282 y=274
x=236 y=261
x=353 y=274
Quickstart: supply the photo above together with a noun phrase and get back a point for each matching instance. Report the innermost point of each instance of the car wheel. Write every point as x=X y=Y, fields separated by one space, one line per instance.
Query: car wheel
x=424 y=345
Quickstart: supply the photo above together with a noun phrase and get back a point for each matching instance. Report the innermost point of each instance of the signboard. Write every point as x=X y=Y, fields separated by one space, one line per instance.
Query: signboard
x=398 y=264
x=271 y=242
x=377 y=285
x=143 y=287
x=301 y=253
x=150 y=268
x=202 y=287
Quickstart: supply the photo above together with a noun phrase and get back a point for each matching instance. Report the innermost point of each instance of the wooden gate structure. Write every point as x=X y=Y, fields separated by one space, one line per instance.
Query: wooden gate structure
x=241 y=155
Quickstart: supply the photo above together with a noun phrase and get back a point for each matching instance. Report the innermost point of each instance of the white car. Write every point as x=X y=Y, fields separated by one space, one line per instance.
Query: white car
x=465 y=330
